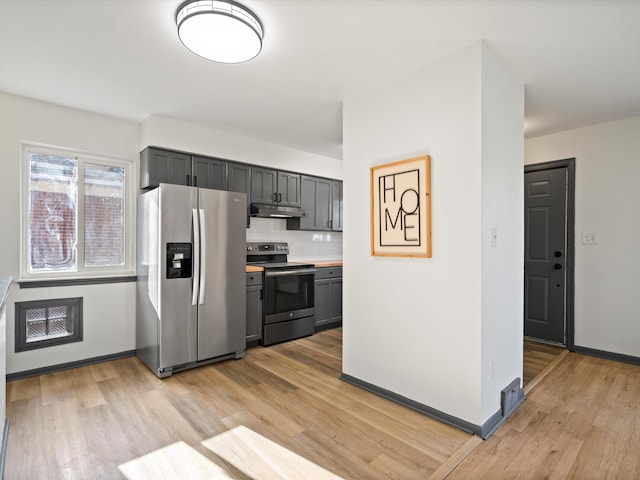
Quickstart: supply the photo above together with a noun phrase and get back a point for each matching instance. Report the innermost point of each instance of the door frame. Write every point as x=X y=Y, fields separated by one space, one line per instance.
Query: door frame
x=570 y=165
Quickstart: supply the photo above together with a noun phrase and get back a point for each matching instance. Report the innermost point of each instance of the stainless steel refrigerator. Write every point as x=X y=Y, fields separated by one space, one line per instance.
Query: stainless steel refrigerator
x=191 y=288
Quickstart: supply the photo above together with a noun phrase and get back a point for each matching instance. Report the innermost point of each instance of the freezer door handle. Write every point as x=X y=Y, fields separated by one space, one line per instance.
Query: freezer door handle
x=203 y=256
x=196 y=256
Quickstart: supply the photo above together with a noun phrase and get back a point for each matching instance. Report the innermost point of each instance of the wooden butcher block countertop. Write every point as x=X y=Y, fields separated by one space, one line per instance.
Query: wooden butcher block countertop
x=326 y=263
x=253 y=269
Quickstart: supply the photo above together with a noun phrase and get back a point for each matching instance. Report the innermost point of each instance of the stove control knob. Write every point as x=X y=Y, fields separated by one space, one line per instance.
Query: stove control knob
x=249 y=248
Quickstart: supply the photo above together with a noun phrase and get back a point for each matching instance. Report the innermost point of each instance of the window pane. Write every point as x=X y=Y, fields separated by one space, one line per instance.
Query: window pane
x=104 y=188
x=52 y=212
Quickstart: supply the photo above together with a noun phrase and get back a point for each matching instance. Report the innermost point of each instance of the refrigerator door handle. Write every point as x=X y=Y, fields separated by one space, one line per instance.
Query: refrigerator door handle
x=196 y=256
x=203 y=256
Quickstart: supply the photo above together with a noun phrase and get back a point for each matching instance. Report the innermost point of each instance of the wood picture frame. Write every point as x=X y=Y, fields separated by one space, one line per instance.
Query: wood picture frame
x=401 y=208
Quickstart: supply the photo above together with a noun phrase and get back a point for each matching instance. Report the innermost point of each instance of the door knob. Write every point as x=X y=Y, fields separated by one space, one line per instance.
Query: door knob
x=557 y=254
x=557 y=266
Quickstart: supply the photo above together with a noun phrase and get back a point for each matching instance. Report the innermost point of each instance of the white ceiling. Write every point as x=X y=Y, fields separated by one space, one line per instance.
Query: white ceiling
x=579 y=60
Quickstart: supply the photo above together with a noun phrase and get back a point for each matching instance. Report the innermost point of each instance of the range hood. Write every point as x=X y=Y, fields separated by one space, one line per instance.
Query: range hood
x=276 y=211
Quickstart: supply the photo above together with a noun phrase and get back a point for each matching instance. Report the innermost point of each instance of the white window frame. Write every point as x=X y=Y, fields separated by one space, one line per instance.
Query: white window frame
x=81 y=272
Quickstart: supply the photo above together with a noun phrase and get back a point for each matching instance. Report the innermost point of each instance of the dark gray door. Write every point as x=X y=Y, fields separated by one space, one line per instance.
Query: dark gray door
x=545 y=231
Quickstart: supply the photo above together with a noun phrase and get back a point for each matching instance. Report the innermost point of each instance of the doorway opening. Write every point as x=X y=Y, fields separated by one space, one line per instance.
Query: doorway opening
x=549 y=203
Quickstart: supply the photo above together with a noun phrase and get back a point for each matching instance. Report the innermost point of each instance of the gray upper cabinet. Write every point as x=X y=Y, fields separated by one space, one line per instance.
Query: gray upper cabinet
x=264 y=184
x=272 y=187
x=289 y=189
x=164 y=166
x=321 y=199
x=239 y=180
x=158 y=165
x=315 y=195
x=336 y=205
x=209 y=173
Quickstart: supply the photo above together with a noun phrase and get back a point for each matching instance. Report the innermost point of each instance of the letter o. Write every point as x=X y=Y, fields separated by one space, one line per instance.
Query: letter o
x=412 y=198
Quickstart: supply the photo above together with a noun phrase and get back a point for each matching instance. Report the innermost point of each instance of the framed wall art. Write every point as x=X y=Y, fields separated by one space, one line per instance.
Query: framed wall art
x=401 y=208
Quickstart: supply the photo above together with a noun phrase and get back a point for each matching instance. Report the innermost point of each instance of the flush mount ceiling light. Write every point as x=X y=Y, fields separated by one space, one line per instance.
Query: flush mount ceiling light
x=219 y=30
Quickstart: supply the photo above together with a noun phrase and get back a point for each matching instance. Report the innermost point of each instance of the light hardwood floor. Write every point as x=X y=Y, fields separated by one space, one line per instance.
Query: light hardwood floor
x=536 y=357
x=283 y=413
x=581 y=421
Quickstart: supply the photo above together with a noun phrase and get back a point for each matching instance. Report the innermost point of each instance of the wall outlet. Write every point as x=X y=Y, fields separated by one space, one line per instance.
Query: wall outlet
x=589 y=238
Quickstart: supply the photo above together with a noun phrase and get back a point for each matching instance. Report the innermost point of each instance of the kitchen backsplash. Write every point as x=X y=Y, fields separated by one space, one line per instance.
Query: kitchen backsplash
x=302 y=245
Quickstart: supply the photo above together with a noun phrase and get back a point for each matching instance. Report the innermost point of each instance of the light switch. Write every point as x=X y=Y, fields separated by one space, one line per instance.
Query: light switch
x=589 y=238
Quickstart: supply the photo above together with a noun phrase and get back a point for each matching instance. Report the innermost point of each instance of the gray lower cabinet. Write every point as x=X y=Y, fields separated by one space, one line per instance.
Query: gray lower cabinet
x=328 y=297
x=254 y=308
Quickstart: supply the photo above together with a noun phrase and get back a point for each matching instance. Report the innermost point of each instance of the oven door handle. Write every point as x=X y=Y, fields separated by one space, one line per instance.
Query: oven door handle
x=282 y=273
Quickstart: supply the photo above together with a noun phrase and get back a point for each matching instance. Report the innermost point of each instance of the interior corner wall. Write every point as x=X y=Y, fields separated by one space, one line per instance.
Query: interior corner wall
x=412 y=326
x=607 y=299
x=502 y=229
x=109 y=310
x=185 y=136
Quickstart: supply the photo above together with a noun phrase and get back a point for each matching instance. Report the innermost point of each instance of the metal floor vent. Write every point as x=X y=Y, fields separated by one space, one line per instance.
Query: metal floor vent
x=511 y=397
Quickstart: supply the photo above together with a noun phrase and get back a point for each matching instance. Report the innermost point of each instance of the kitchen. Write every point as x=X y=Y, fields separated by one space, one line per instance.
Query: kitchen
x=190 y=252
x=109 y=308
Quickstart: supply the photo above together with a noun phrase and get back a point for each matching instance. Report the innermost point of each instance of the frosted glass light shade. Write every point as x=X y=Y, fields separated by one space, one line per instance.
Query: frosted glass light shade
x=222 y=31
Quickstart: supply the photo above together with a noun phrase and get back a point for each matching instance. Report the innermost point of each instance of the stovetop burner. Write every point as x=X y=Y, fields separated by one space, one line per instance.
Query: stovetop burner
x=271 y=255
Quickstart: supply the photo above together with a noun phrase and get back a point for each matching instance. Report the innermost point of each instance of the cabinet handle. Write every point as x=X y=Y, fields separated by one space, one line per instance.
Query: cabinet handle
x=279 y=197
x=188 y=179
x=329 y=222
x=260 y=294
x=274 y=197
x=195 y=181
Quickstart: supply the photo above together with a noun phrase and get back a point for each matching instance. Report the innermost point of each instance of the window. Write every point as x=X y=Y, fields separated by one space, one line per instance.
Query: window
x=45 y=323
x=77 y=215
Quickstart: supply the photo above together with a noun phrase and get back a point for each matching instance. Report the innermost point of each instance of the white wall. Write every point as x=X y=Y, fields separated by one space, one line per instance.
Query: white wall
x=415 y=326
x=502 y=215
x=180 y=135
x=607 y=293
x=172 y=133
x=109 y=310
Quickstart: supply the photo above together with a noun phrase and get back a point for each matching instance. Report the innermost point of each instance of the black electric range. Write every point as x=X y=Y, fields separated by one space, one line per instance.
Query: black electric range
x=289 y=300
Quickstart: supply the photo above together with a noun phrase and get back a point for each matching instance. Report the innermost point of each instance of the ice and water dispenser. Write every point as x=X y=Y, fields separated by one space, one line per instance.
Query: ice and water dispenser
x=179 y=260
